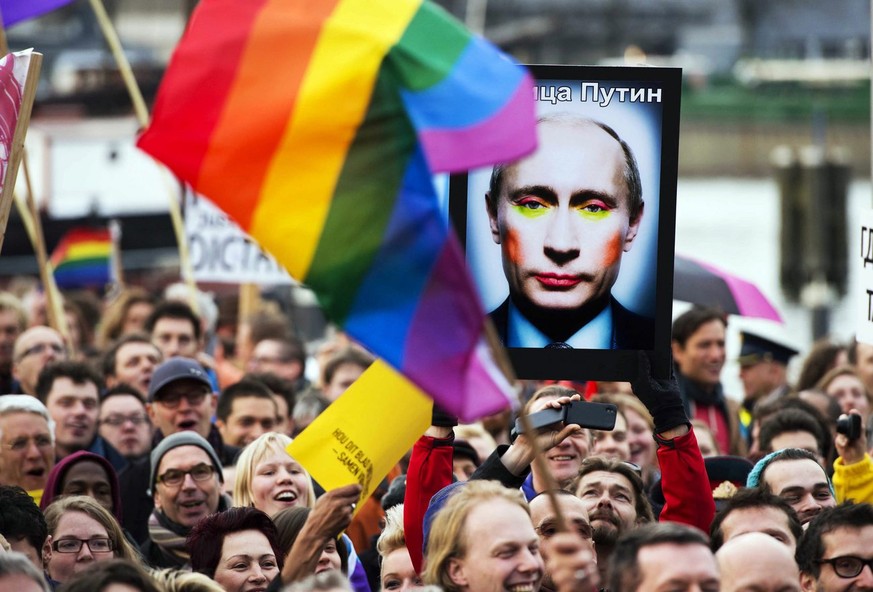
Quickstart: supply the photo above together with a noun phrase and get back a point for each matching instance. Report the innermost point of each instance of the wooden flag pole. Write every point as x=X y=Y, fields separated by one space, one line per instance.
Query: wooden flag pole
x=17 y=148
x=142 y=115
x=249 y=303
x=111 y=36
x=539 y=459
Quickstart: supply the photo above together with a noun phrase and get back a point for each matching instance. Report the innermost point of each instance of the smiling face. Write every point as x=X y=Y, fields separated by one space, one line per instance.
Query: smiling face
x=279 y=482
x=564 y=459
x=703 y=355
x=26 y=451
x=563 y=220
x=247 y=562
x=502 y=550
x=74 y=408
x=803 y=484
x=191 y=500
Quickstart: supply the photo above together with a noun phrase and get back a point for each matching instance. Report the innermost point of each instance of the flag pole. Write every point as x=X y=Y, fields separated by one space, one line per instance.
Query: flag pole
x=17 y=147
x=539 y=460
x=142 y=115
x=4 y=49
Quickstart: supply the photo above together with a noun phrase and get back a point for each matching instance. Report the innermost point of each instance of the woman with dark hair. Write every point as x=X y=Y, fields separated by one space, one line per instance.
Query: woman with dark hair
x=238 y=548
x=289 y=523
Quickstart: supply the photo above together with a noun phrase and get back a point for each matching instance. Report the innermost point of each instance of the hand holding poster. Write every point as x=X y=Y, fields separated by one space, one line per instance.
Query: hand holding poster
x=364 y=432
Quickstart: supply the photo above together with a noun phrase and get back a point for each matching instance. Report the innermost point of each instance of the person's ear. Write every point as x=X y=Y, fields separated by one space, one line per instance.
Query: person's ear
x=491 y=208
x=456 y=572
x=150 y=411
x=807 y=582
x=677 y=351
x=633 y=229
x=47 y=551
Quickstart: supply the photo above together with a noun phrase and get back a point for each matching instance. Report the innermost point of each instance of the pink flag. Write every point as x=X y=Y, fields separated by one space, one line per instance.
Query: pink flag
x=13 y=72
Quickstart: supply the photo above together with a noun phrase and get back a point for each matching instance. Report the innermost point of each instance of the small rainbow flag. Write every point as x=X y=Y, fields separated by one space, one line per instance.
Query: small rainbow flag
x=317 y=126
x=83 y=258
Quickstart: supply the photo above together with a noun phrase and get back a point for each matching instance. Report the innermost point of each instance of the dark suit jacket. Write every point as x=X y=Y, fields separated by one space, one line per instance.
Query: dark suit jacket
x=629 y=329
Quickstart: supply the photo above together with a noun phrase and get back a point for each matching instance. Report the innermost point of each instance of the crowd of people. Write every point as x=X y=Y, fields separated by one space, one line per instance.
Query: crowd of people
x=146 y=449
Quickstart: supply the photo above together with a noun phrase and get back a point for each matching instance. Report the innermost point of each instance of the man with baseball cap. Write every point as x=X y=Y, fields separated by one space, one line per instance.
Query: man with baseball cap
x=181 y=399
x=185 y=480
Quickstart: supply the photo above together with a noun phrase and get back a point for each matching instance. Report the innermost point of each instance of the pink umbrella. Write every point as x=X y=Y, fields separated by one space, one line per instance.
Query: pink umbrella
x=707 y=285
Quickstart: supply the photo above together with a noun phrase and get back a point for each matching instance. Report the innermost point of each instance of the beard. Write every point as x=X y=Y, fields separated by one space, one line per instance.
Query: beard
x=608 y=527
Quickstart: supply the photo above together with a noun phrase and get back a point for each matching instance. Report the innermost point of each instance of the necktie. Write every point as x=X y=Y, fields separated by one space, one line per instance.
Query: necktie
x=558 y=345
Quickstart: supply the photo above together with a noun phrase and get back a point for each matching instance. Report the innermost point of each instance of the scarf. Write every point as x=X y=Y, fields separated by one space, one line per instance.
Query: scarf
x=170 y=536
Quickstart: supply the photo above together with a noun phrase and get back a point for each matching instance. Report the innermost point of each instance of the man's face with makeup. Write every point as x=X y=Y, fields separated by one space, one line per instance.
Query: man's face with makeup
x=562 y=219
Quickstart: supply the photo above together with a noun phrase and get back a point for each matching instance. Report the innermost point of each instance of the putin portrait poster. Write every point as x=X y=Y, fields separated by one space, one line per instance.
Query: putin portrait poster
x=571 y=247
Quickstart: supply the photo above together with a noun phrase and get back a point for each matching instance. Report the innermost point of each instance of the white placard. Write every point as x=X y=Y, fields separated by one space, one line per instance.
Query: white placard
x=221 y=252
x=862 y=254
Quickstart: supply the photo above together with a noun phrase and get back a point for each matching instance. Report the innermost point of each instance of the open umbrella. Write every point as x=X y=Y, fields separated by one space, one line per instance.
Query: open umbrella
x=707 y=285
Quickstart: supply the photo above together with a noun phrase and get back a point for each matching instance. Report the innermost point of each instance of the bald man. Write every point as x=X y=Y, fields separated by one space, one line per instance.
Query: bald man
x=756 y=561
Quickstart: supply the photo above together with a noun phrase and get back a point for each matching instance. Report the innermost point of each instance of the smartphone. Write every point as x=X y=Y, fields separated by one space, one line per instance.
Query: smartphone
x=596 y=416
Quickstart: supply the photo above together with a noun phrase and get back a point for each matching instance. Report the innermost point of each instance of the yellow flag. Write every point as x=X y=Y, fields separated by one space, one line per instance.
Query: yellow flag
x=363 y=434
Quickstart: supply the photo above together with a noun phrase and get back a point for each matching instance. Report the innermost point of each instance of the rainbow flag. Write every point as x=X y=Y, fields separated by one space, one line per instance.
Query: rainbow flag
x=83 y=258
x=14 y=11
x=317 y=127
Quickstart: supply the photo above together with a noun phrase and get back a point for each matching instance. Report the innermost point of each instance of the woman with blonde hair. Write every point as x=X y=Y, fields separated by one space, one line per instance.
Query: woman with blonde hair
x=396 y=572
x=82 y=532
x=268 y=479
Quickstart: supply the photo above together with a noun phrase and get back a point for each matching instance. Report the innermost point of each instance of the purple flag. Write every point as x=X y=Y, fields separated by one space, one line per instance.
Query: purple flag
x=14 y=11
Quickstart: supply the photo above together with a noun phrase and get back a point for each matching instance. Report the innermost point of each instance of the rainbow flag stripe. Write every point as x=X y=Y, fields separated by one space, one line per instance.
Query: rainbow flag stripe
x=83 y=258
x=317 y=127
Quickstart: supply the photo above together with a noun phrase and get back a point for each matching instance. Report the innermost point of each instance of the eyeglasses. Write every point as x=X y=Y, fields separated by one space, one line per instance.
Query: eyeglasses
x=100 y=545
x=119 y=420
x=848 y=566
x=193 y=398
x=41 y=347
x=174 y=477
x=19 y=444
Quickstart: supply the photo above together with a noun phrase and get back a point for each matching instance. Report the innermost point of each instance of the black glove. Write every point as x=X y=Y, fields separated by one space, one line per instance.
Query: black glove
x=442 y=418
x=661 y=397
